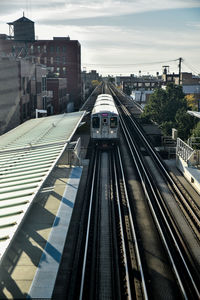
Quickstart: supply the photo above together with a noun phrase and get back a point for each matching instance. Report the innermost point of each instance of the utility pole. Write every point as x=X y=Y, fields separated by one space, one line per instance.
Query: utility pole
x=179 y=66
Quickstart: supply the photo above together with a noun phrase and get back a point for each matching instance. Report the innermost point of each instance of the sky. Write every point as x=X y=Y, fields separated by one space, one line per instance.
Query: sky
x=118 y=37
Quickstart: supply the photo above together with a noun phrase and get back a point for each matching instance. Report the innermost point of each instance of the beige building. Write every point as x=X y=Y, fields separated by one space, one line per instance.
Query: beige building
x=22 y=90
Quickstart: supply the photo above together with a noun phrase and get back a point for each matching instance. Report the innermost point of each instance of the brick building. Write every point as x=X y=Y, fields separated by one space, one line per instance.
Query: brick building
x=60 y=97
x=61 y=55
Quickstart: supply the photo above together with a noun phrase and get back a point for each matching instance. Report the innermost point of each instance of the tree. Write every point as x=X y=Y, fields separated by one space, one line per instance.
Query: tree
x=168 y=108
x=95 y=83
x=191 y=102
x=196 y=134
x=163 y=104
x=184 y=123
x=196 y=130
x=167 y=127
x=154 y=110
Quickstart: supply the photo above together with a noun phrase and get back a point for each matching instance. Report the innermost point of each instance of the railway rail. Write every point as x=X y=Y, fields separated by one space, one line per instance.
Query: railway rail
x=112 y=263
x=183 y=267
x=131 y=243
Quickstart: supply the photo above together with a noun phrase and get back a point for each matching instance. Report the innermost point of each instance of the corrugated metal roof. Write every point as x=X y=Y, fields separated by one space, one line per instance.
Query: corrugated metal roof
x=28 y=153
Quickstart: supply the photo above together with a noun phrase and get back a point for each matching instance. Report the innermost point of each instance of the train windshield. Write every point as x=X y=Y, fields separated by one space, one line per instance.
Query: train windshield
x=95 y=122
x=113 y=122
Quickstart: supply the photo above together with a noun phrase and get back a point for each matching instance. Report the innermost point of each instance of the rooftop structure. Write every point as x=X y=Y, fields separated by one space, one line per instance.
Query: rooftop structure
x=28 y=154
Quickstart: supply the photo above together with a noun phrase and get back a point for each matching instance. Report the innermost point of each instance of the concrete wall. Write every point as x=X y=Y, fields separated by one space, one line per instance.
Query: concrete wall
x=192 y=174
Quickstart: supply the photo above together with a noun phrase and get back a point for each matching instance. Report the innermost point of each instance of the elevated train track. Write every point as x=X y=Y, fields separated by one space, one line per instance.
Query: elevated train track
x=135 y=241
x=186 y=249
x=112 y=264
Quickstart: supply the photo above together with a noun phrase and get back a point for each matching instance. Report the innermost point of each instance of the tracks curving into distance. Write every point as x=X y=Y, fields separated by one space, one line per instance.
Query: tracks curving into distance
x=178 y=254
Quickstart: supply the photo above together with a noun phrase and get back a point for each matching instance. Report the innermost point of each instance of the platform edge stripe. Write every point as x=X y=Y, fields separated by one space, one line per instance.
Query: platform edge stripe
x=42 y=285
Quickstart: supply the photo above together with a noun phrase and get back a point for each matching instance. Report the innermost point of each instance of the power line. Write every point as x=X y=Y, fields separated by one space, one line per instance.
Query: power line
x=192 y=68
x=136 y=64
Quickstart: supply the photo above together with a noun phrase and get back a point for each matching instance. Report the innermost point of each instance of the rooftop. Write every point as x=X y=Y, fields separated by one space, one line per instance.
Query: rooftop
x=28 y=154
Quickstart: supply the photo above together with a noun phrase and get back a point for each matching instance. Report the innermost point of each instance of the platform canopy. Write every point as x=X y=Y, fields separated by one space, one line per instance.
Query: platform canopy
x=28 y=154
x=194 y=113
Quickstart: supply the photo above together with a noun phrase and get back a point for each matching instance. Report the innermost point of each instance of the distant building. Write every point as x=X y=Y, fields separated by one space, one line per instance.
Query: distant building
x=138 y=83
x=189 y=82
x=60 y=98
x=61 y=55
x=87 y=79
x=22 y=90
x=141 y=96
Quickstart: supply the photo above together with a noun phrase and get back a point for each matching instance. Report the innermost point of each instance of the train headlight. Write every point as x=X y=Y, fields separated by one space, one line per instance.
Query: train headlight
x=97 y=131
x=112 y=131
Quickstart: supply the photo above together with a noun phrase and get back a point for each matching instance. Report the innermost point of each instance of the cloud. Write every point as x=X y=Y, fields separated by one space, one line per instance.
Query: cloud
x=116 y=35
x=121 y=50
x=88 y=9
x=75 y=9
x=194 y=25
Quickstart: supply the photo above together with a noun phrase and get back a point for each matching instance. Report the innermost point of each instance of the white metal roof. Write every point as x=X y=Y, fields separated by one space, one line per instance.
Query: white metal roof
x=104 y=108
x=104 y=99
x=104 y=96
x=28 y=154
x=194 y=113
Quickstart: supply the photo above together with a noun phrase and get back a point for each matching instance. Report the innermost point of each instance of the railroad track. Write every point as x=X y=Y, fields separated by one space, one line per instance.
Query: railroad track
x=112 y=263
x=183 y=264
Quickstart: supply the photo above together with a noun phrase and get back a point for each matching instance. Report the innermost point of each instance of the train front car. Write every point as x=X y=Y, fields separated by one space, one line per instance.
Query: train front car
x=104 y=121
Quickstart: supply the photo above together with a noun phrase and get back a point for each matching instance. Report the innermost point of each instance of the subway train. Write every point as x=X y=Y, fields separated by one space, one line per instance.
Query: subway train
x=104 y=121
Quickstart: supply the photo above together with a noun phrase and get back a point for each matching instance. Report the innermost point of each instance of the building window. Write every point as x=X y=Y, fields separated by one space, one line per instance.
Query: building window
x=57 y=70
x=64 y=70
x=38 y=59
x=57 y=49
x=28 y=88
x=44 y=102
x=57 y=60
x=32 y=49
x=24 y=85
x=35 y=101
x=64 y=60
x=45 y=48
x=38 y=49
x=44 y=84
x=51 y=49
x=45 y=60
x=51 y=60
x=24 y=110
x=38 y=87
x=64 y=49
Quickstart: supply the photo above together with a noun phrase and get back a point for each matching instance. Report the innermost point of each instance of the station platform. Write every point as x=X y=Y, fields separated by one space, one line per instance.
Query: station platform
x=191 y=173
x=38 y=191
x=30 y=267
x=184 y=174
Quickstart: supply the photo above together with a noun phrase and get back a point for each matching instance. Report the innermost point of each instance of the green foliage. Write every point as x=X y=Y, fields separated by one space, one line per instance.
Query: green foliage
x=168 y=108
x=191 y=102
x=127 y=90
x=184 y=123
x=196 y=130
x=95 y=83
x=167 y=127
x=163 y=104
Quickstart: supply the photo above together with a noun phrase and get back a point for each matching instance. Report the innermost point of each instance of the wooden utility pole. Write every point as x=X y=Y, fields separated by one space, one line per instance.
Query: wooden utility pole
x=179 y=66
